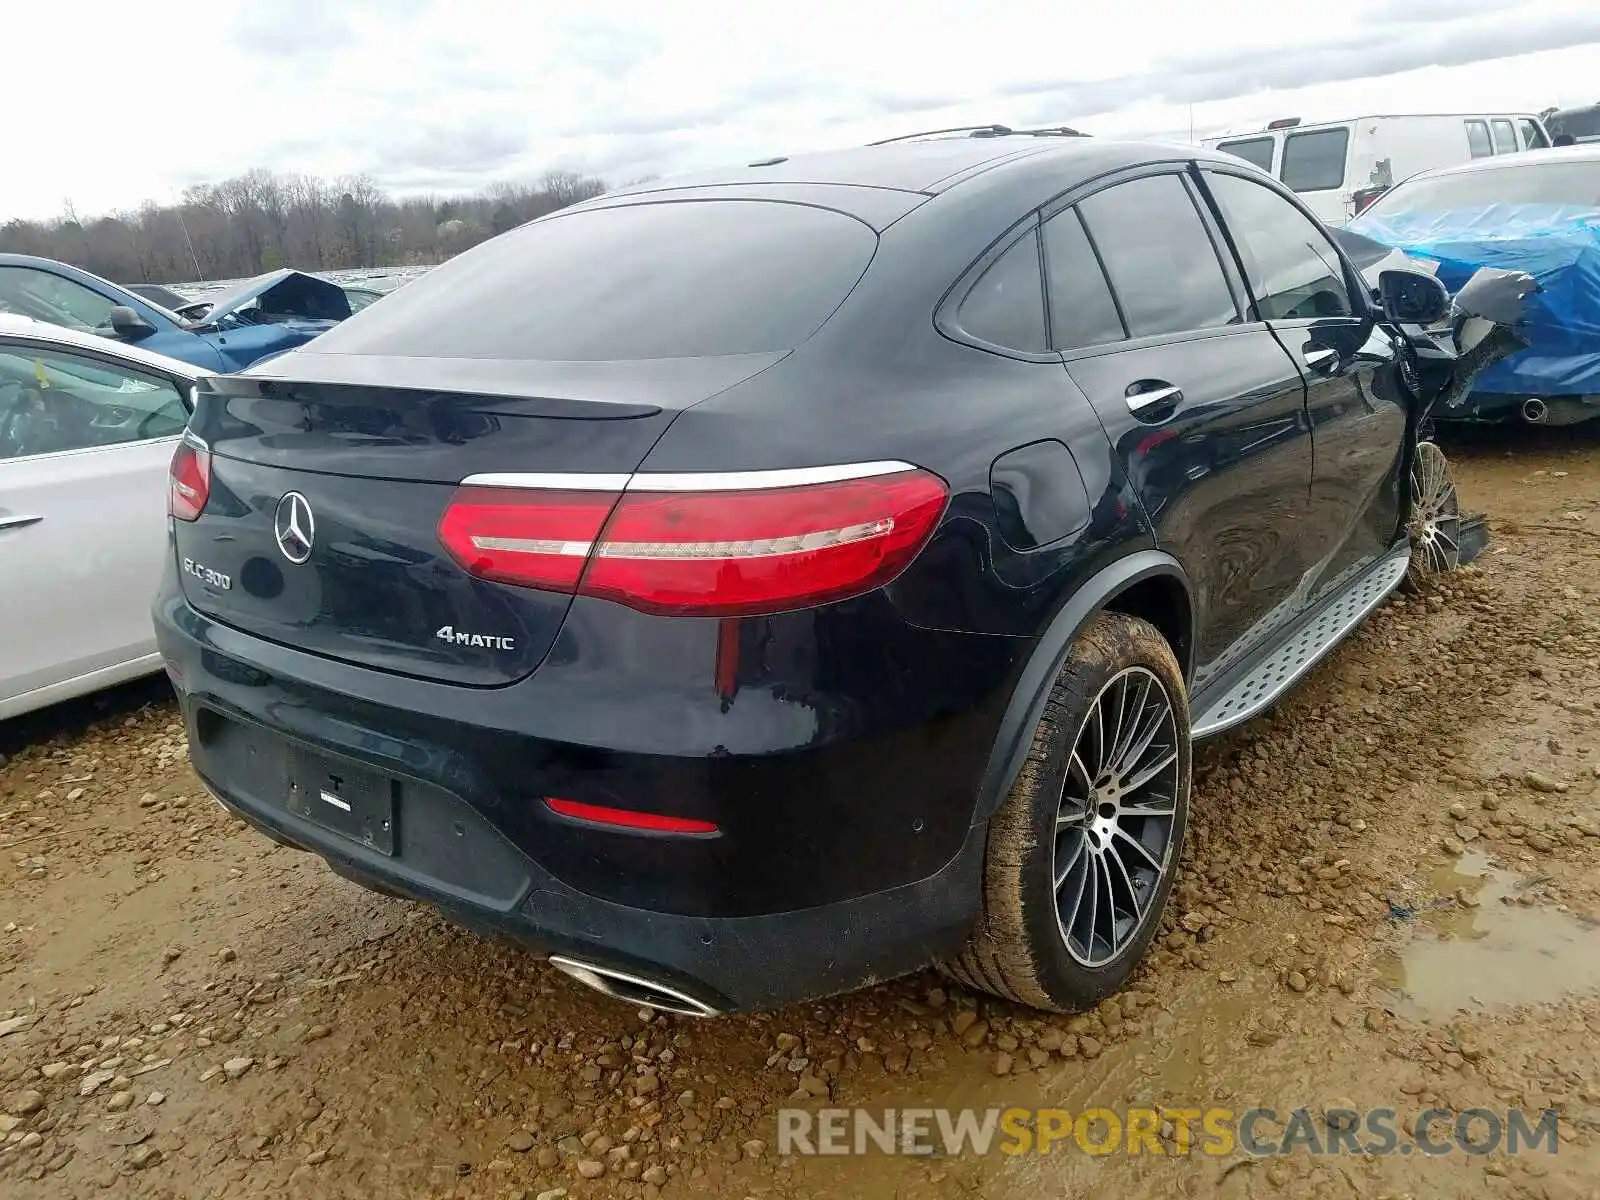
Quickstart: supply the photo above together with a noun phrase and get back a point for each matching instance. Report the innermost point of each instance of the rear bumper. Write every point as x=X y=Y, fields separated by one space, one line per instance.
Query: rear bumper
x=726 y=964
x=845 y=854
x=1496 y=408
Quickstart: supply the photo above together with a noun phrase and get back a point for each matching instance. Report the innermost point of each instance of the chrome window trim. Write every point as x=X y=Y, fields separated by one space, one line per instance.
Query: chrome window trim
x=46 y=455
x=555 y=480
x=689 y=481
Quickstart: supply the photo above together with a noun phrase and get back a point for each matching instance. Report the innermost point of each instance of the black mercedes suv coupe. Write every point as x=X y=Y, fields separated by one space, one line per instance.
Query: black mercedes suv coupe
x=747 y=586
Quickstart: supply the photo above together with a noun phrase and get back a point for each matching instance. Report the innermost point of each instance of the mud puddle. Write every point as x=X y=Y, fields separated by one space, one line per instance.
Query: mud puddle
x=1483 y=943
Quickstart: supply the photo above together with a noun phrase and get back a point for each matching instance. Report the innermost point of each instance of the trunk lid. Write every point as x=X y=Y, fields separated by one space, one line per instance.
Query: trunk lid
x=364 y=471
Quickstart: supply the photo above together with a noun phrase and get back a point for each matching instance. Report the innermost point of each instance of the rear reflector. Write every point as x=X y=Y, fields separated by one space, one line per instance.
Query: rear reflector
x=627 y=818
x=735 y=552
x=189 y=479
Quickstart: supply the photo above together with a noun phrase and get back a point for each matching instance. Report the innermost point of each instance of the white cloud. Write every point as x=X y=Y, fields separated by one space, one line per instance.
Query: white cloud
x=116 y=103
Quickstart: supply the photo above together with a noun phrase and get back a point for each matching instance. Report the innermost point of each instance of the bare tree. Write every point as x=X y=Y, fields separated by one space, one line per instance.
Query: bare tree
x=260 y=220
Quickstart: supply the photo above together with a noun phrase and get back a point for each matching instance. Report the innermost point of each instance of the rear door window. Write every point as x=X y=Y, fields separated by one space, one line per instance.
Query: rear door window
x=1580 y=124
x=1478 y=139
x=1082 y=312
x=1292 y=268
x=53 y=400
x=1006 y=306
x=1253 y=150
x=55 y=299
x=1159 y=257
x=1314 y=161
x=640 y=281
x=1505 y=137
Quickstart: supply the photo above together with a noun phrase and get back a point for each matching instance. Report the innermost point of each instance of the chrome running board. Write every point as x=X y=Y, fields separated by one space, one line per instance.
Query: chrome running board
x=1291 y=659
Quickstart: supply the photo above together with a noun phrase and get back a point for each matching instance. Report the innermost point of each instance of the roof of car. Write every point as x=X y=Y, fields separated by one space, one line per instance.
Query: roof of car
x=1266 y=130
x=1581 y=152
x=15 y=325
x=927 y=165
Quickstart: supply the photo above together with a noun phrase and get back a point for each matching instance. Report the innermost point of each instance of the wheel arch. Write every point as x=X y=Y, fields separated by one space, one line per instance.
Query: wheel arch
x=1149 y=584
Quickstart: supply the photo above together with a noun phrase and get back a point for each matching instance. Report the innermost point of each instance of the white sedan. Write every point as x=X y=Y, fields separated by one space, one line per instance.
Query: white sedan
x=87 y=431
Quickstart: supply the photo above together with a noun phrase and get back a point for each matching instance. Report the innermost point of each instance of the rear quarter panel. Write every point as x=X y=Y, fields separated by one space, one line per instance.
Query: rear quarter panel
x=880 y=382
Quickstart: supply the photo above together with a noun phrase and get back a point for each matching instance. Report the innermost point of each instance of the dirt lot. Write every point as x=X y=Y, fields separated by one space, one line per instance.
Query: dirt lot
x=1389 y=899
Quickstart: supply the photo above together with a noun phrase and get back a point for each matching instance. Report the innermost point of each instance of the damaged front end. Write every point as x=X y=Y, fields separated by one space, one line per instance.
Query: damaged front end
x=282 y=297
x=1452 y=340
x=1486 y=324
x=1538 y=360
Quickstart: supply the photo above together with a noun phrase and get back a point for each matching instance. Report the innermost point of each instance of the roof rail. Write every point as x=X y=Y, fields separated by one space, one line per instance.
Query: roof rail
x=974 y=130
x=982 y=131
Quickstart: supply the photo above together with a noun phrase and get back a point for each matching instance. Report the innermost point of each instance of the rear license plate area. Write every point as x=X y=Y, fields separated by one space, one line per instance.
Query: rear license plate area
x=349 y=800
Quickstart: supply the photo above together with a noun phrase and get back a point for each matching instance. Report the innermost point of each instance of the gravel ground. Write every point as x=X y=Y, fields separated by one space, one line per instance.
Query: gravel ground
x=1389 y=899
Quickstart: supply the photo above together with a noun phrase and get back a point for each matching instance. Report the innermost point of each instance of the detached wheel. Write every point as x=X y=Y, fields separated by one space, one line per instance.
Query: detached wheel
x=1435 y=516
x=1082 y=853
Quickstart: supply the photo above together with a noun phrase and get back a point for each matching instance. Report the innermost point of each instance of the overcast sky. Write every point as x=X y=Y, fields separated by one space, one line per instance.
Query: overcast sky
x=110 y=102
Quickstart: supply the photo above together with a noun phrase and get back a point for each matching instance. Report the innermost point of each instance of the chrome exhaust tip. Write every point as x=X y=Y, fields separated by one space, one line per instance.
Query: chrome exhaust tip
x=631 y=989
x=1534 y=411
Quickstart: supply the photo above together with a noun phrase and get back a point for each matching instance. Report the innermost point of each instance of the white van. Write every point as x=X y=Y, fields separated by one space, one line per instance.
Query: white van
x=1339 y=167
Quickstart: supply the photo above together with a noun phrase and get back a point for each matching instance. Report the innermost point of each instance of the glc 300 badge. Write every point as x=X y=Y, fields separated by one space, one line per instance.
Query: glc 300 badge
x=207 y=576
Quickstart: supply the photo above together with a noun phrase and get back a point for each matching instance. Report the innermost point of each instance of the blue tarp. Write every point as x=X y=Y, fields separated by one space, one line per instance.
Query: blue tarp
x=1558 y=245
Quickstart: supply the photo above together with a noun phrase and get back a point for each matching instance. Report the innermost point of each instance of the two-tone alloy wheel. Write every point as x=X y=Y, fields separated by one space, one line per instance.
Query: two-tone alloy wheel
x=1082 y=852
x=1435 y=515
x=1114 y=826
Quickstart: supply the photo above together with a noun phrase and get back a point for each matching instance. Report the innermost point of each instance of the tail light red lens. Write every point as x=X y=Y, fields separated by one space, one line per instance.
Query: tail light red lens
x=189 y=479
x=714 y=552
x=535 y=538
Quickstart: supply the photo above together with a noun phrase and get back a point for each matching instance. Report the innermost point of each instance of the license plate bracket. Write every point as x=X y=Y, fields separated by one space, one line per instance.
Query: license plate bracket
x=352 y=801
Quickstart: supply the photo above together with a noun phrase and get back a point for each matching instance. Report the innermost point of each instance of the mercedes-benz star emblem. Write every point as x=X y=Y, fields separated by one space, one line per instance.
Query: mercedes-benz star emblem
x=294 y=527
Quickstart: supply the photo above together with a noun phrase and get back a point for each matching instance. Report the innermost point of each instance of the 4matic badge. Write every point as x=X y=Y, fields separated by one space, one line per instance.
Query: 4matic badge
x=460 y=637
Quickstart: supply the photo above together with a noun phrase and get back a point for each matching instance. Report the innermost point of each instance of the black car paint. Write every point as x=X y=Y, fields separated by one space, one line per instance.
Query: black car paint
x=850 y=753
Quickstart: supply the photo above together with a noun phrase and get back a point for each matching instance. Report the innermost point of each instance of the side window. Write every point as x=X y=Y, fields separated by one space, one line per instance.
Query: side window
x=1159 y=257
x=1292 y=267
x=1082 y=312
x=1253 y=150
x=45 y=296
x=1532 y=136
x=1006 y=306
x=52 y=401
x=1314 y=161
x=1478 y=139
x=1505 y=137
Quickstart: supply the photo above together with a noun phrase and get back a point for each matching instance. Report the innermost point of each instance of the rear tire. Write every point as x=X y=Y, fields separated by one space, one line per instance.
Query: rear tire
x=1102 y=800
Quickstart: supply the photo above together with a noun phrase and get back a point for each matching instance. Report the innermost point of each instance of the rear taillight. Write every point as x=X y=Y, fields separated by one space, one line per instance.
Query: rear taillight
x=682 y=545
x=532 y=537
x=1361 y=199
x=189 y=479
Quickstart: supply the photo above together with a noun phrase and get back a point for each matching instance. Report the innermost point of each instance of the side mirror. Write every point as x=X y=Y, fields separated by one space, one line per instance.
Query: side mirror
x=129 y=325
x=1412 y=297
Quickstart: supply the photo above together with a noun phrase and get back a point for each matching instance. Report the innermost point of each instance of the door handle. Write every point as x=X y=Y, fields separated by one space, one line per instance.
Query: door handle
x=1148 y=395
x=1319 y=358
x=18 y=522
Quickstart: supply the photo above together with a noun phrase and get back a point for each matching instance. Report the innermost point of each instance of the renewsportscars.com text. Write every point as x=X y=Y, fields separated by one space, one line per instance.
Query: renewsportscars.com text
x=1165 y=1131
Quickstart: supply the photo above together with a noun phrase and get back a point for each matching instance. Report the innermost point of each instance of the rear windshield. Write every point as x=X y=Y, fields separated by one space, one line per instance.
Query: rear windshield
x=1568 y=183
x=1576 y=123
x=672 y=280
